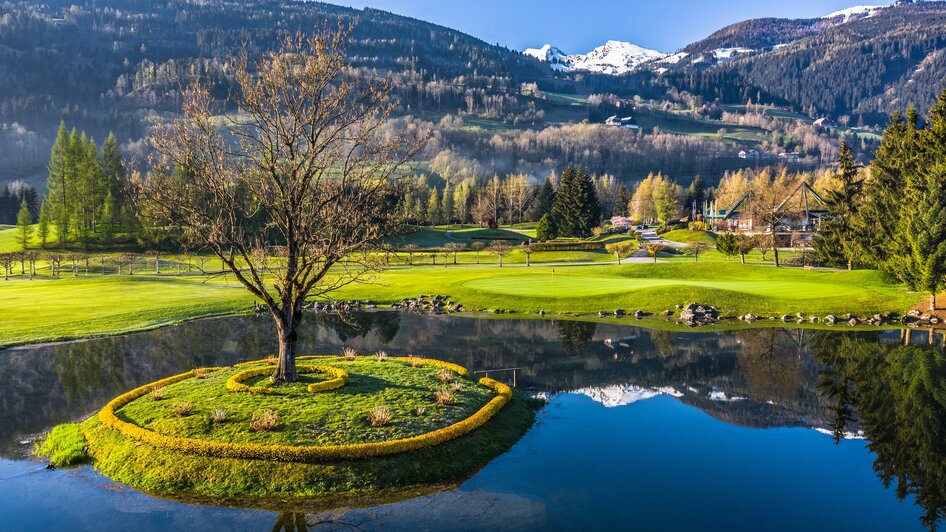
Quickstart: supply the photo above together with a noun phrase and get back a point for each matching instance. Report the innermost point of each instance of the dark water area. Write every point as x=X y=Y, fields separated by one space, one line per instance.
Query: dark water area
x=644 y=429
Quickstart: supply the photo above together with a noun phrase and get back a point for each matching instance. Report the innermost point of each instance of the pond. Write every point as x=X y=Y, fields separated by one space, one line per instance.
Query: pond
x=644 y=429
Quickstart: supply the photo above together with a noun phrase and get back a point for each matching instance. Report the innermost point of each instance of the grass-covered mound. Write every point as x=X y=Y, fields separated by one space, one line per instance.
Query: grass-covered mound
x=686 y=235
x=393 y=424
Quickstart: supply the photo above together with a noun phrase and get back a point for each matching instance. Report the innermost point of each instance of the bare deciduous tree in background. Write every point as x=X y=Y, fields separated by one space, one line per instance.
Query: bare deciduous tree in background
x=303 y=173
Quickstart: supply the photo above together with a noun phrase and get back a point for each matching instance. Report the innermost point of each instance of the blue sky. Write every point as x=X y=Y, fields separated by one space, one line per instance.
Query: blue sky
x=580 y=25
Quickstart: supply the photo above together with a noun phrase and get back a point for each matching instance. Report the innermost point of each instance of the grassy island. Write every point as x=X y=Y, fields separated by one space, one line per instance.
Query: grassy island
x=350 y=425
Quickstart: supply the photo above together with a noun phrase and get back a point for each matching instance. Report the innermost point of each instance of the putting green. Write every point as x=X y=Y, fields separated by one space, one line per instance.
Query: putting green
x=558 y=286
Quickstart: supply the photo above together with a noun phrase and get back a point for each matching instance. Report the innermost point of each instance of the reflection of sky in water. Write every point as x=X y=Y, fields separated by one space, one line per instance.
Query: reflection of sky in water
x=636 y=436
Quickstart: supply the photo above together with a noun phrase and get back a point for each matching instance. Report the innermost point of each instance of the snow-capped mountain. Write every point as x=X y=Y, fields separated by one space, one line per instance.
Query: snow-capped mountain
x=618 y=395
x=613 y=57
x=855 y=12
x=551 y=55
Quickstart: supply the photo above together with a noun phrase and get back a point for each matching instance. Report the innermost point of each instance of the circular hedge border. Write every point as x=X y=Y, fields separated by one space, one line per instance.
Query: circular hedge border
x=304 y=454
x=339 y=379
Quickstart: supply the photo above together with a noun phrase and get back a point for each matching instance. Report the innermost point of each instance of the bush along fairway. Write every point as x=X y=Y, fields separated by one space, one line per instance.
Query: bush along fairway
x=351 y=425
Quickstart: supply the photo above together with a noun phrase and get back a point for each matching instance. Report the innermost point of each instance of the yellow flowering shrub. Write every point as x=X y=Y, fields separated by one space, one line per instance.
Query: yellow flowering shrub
x=339 y=379
x=310 y=454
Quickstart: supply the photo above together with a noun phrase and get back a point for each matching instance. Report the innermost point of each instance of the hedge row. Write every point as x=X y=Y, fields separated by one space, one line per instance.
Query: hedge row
x=339 y=379
x=567 y=246
x=286 y=453
x=456 y=368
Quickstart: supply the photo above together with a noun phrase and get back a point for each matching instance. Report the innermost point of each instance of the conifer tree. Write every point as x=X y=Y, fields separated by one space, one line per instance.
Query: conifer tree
x=621 y=200
x=24 y=224
x=433 y=207
x=576 y=209
x=43 y=228
x=834 y=243
x=542 y=202
x=545 y=229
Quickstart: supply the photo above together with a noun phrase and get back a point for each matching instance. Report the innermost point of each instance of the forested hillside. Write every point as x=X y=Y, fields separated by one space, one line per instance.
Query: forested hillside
x=857 y=72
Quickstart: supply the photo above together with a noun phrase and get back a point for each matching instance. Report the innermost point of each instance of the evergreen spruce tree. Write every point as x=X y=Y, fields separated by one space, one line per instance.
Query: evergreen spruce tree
x=114 y=178
x=834 y=243
x=545 y=229
x=24 y=225
x=576 y=209
x=7 y=206
x=696 y=194
x=924 y=232
x=875 y=225
x=542 y=202
x=622 y=198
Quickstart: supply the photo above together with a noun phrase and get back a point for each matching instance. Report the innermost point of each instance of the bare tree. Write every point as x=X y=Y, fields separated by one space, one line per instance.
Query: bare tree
x=744 y=244
x=770 y=207
x=477 y=247
x=500 y=248
x=410 y=249
x=528 y=250
x=517 y=193
x=305 y=166
x=695 y=248
x=455 y=247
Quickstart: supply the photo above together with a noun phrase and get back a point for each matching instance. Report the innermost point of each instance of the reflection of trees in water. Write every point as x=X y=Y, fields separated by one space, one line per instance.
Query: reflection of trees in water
x=899 y=396
x=575 y=336
x=771 y=361
x=359 y=324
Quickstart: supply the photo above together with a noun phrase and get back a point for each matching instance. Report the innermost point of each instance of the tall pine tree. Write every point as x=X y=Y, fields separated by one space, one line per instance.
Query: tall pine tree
x=576 y=210
x=834 y=244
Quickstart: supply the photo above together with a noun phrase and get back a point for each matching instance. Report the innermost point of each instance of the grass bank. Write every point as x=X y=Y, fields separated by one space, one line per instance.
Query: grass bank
x=74 y=307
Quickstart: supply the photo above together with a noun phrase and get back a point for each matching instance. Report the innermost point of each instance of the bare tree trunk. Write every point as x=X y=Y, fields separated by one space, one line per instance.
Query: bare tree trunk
x=743 y=257
x=287 y=326
x=933 y=302
x=775 y=253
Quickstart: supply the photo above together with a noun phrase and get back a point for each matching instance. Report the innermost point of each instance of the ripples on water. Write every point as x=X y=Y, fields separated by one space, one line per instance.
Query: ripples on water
x=645 y=429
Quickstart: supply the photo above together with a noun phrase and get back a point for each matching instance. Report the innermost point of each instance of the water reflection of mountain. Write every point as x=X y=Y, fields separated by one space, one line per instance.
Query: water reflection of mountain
x=771 y=368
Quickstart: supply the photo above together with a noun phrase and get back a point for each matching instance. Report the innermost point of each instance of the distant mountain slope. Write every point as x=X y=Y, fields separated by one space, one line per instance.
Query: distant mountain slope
x=864 y=68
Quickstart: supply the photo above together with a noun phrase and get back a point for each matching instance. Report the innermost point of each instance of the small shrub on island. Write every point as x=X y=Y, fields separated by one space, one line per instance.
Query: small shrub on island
x=420 y=410
x=264 y=420
x=201 y=373
x=182 y=408
x=381 y=356
x=380 y=416
x=444 y=396
x=445 y=376
x=218 y=415
x=349 y=354
x=157 y=394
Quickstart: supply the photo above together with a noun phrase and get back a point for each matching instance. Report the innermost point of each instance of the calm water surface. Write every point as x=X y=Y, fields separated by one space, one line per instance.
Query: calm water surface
x=645 y=430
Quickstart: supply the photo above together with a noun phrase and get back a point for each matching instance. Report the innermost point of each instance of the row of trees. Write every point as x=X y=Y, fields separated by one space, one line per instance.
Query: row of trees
x=88 y=189
x=515 y=198
x=894 y=219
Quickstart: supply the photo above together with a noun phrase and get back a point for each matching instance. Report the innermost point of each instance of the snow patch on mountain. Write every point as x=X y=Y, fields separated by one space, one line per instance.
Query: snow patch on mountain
x=551 y=55
x=855 y=12
x=621 y=395
x=613 y=57
x=721 y=55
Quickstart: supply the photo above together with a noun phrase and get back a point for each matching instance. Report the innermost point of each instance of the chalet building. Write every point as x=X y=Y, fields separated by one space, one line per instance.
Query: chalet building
x=627 y=122
x=803 y=210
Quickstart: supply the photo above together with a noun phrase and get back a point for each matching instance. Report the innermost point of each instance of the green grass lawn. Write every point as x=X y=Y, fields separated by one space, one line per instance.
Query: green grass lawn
x=685 y=235
x=735 y=288
x=72 y=307
x=77 y=307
